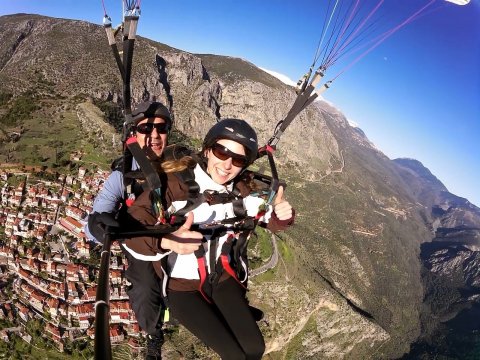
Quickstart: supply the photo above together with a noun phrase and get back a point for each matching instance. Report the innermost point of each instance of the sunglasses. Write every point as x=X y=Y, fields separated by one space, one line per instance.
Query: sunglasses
x=224 y=153
x=147 y=128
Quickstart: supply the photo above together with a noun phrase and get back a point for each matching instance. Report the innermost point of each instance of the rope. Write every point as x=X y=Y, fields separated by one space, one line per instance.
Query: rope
x=385 y=36
x=104 y=9
x=353 y=46
x=333 y=34
x=345 y=41
x=324 y=31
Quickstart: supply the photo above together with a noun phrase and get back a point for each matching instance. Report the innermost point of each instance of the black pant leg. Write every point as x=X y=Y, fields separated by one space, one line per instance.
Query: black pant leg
x=205 y=322
x=145 y=293
x=230 y=299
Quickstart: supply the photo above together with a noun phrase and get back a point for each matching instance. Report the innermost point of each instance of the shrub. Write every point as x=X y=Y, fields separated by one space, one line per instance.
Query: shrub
x=22 y=108
x=112 y=113
x=4 y=98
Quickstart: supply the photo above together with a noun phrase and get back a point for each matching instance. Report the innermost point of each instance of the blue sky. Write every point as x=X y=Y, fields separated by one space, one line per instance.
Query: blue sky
x=416 y=95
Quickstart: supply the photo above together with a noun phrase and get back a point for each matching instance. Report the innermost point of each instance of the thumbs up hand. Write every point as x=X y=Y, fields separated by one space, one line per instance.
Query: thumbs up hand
x=282 y=207
x=183 y=241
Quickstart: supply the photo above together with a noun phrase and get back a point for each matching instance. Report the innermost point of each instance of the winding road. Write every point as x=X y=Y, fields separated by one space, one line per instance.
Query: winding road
x=271 y=263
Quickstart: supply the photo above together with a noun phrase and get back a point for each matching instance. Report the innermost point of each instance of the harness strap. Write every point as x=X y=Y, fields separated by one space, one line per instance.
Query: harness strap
x=240 y=255
x=151 y=176
x=260 y=214
x=239 y=208
x=219 y=266
x=202 y=271
x=227 y=246
x=212 y=251
x=145 y=165
x=229 y=270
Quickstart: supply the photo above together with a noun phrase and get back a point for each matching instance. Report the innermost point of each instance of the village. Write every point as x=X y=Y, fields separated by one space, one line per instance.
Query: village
x=48 y=268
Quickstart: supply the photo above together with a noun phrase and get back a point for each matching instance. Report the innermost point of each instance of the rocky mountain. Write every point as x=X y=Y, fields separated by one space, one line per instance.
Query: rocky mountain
x=355 y=280
x=451 y=272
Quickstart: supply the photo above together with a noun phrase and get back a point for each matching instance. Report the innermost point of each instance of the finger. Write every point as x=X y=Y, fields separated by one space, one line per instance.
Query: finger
x=188 y=222
x=185 y=250
x=191 y=247
x=279 y=196
x=284 y=210
x=284 y=215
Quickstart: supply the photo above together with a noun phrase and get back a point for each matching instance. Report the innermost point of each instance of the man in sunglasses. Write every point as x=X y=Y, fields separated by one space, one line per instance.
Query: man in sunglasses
x=152 y=122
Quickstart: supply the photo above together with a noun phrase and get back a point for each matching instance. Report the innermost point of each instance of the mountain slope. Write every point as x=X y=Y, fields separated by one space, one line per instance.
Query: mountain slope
x=450 y=262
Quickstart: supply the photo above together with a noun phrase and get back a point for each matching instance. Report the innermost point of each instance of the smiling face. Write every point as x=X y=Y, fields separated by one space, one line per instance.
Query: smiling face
x=222 y=171
x=153 y=143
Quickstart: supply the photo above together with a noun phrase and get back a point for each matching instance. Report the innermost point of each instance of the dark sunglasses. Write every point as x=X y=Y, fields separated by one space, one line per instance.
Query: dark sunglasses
x=224 y=153
x=147 y=128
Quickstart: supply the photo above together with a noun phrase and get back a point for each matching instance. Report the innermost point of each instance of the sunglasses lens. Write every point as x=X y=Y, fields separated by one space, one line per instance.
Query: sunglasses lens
x=239 y=162
x=219 y=153
x=223 y=154
x=161 y=128
x=147 y=128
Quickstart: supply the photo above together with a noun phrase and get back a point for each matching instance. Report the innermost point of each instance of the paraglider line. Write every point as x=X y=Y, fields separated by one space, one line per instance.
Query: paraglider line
x=322 y=35
x=104 y=9
x=352 y=47
x=351 y=37
x=345 y=24
x=324 y=30
x=385 y=36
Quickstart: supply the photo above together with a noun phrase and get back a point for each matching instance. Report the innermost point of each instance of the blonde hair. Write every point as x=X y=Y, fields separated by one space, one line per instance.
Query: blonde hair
x=171 y=166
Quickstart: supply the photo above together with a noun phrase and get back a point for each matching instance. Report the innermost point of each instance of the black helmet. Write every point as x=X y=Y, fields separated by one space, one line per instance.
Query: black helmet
x=236 y=130
x=148 y=109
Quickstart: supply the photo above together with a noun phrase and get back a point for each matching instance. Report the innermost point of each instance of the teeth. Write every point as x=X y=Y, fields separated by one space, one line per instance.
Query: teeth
x=221 y=172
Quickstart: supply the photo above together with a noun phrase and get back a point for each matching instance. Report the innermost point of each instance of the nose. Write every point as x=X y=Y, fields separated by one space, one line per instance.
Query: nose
x=228 y=163
x=155 y=133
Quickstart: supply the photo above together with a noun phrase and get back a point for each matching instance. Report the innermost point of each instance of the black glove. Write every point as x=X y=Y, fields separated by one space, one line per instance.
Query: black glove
x=98 y=222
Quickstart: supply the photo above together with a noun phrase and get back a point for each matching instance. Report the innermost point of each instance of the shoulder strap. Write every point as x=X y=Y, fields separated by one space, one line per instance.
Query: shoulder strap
x=151 y=175
x=194 y=198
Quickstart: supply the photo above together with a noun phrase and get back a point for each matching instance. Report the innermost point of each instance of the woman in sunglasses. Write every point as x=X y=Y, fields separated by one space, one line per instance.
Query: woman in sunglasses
x=206 y=269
